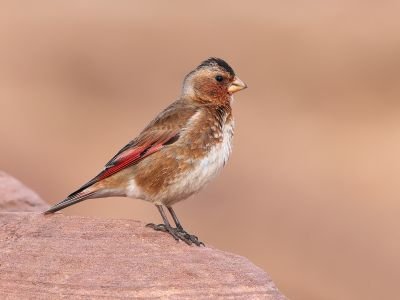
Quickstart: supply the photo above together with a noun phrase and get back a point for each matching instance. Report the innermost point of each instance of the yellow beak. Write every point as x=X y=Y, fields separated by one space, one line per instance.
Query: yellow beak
x=236 y=86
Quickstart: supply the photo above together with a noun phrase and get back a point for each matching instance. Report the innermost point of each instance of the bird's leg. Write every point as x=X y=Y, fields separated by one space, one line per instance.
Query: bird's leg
x=166 y=227
x=175 y=217
x=194 y=239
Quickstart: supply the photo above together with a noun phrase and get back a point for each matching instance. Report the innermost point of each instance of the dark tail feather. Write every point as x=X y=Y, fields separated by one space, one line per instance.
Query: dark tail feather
x=69 y=201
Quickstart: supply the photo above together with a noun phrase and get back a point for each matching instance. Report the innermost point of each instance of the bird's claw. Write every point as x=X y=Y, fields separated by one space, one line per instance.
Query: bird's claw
x=164 y=228
x=177 y=234
x=194 y=239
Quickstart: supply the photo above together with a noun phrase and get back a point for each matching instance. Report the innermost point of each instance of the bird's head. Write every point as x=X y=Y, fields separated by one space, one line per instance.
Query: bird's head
x=213 y=81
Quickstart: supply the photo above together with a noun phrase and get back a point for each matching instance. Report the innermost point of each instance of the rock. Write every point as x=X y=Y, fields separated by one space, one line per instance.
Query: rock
x=14 y=196
x=57 y=256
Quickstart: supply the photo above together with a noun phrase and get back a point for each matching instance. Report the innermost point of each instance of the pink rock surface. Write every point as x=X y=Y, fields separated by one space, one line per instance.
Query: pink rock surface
x=57 y=256
x=14 y=196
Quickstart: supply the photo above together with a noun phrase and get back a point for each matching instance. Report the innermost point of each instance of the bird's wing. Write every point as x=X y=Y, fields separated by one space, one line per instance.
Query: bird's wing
x=132 y=153
x=143 y=146
x=162 y=131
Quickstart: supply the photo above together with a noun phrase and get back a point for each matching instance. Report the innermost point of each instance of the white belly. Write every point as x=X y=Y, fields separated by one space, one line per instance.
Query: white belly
x=204 y=170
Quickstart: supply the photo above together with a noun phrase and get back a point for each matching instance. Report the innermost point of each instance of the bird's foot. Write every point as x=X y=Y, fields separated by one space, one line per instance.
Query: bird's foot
x=194 y=239
x=165 y=228
x=177 y=234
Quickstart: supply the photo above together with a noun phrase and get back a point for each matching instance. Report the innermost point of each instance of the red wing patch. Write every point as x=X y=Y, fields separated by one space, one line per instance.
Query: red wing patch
x=133 y=155
x=127 y=158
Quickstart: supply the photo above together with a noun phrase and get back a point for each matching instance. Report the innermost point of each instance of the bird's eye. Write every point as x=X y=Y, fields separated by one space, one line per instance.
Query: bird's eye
x=219 y=78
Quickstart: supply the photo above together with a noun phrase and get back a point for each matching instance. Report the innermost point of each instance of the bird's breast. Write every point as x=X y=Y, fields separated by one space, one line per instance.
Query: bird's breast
x=204 y=168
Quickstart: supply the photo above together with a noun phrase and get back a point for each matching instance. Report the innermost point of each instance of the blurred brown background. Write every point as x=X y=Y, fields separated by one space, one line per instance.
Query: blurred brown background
x=311 y=192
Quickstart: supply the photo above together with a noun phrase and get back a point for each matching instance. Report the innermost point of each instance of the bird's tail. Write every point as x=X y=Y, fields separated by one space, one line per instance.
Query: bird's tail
x=70 y=200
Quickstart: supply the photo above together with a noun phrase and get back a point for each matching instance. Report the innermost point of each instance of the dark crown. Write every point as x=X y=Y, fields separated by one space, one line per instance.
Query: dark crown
x=213 y=61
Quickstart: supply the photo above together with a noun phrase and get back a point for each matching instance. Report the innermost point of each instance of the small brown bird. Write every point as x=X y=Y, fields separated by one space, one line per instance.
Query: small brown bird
x=180 y=151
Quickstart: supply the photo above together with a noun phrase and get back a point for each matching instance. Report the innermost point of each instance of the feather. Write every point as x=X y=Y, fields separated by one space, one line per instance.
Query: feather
x=70 y=201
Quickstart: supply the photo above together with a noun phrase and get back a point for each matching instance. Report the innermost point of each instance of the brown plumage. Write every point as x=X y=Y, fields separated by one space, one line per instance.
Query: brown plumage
x=181 y=150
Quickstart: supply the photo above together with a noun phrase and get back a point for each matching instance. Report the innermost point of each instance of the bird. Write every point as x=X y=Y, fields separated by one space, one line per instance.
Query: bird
x=177 y=153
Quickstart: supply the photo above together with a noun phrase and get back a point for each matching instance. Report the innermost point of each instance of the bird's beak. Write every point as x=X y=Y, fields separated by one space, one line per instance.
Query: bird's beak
x=236 y=85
